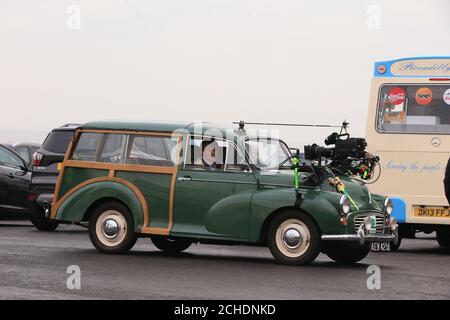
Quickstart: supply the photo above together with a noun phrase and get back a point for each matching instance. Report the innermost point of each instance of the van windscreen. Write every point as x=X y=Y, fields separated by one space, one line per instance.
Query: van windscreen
x=414 y=108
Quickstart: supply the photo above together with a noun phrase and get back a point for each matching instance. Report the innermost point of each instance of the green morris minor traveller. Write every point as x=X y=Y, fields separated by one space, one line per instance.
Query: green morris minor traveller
x=185 y=183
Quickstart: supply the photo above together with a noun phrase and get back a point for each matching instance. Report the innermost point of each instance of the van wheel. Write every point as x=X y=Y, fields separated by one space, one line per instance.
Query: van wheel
x=111 y=228
x=443 y=238
x=293 y=238
x=171 y=245
x=41 y=222
x=346 y=253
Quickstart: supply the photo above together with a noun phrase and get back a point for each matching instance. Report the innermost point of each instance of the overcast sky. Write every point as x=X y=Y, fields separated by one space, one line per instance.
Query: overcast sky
x=211 y=60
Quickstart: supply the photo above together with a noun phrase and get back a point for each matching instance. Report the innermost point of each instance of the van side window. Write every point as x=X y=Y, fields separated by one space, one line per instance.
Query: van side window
x=206 y=154
x=113 y=148
x=87 y=146
x=151 y=151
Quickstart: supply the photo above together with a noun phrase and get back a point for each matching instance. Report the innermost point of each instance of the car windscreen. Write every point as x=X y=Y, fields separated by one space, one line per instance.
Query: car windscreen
x=268 y=154
x=58 y=141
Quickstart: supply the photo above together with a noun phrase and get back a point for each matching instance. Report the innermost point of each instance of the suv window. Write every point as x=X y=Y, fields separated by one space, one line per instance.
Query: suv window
x=9 y=159
x=57 y=141
x=87 y=146
x=113 y=148
x=151 y=151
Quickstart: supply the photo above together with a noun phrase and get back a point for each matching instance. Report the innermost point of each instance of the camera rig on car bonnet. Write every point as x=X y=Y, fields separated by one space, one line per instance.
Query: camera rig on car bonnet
x=347 y=157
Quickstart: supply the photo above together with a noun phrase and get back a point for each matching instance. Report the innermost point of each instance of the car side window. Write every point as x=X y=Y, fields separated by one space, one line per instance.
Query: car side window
x=151 y=151
x=235 y=162
x=9 y=159
x=205 y=154
x=113 y=148
x=87 y=146
x=23 y=152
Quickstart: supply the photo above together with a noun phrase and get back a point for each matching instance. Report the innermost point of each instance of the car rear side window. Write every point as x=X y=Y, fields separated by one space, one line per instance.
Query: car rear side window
x=113 y=148
x=151 y=151
x=87 y=147
x=57 y=141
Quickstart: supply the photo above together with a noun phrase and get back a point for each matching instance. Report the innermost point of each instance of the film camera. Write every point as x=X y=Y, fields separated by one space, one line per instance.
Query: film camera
x=348 y=154
x=343 y=148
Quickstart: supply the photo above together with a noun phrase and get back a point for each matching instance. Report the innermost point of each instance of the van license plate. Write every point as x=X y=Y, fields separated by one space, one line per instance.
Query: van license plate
x=431 y=212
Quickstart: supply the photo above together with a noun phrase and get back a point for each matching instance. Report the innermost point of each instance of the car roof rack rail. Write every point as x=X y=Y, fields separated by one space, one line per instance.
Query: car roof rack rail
x=70 y=125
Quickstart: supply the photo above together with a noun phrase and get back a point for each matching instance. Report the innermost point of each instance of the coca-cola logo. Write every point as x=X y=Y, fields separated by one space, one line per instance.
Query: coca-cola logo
x=447 y=96
x=396 y=96
x=424 y=96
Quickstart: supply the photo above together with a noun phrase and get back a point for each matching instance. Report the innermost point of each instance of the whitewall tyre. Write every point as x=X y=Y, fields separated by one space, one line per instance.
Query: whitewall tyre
x=111 y=228
x=293 y=238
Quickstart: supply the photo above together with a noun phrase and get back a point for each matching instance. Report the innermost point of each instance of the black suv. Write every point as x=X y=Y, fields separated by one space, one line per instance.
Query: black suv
x=45 y=173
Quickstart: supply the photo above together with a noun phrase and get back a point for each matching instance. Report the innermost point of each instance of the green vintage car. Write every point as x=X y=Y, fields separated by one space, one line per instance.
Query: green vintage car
x=185 y=183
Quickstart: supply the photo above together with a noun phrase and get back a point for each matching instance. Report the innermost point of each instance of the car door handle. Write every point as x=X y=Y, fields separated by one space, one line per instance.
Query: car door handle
x=183 y=179
x=10 y=175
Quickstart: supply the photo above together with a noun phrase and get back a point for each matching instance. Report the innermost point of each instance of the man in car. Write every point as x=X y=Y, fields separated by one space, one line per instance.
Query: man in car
x=210 y=155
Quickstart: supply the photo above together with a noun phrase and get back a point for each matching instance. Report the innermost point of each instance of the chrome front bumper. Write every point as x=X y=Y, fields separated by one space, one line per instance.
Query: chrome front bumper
x=362 y=236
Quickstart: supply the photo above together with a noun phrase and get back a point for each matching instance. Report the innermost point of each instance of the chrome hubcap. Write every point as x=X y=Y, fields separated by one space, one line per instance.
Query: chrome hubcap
x=292 y=238
x=111 y=228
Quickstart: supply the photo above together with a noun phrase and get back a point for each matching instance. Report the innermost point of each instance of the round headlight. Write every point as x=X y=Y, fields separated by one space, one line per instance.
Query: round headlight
x=345 y=205
x=388 y=206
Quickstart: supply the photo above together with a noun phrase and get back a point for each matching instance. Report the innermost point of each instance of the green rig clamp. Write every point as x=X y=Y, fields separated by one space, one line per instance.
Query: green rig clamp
x=296 y=167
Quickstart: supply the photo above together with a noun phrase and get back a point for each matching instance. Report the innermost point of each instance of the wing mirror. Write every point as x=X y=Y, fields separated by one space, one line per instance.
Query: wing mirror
x=244 y=167
x=25 y=167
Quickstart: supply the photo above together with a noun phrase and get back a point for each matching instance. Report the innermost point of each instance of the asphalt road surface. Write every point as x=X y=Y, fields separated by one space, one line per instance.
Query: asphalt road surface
x=33 y=265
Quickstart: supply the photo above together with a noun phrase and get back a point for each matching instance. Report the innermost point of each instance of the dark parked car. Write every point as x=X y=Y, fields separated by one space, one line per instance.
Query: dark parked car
x=14 y=183
x=25 y=150
x=45 y=173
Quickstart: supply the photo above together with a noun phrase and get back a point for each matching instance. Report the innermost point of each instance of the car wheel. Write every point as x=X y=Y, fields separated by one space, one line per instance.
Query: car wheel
x=346 y=253
x=111 y=228
x=293 y=238
x=395 y=244
x=41 y=222
x=171 y=245
x=443 y=238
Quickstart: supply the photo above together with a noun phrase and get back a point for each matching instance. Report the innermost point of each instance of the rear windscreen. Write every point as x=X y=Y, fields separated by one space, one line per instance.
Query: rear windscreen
x=414 y=108
x=57 y=141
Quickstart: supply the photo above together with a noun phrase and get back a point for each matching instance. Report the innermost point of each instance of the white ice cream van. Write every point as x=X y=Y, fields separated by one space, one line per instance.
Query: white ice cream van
x=409 y=129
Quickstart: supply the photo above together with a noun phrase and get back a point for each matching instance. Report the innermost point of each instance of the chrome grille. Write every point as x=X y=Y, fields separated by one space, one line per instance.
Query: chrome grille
x=360 y=220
